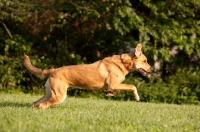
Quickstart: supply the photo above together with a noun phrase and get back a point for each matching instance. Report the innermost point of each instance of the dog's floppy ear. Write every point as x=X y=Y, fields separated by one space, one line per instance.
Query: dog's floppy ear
x=138 y=50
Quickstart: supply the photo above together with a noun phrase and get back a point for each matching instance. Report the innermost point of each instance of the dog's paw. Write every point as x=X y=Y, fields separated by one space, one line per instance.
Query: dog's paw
x=137 y=98
x=43 y=105
x=112 y=93
x=33 y=105
x=109 y=94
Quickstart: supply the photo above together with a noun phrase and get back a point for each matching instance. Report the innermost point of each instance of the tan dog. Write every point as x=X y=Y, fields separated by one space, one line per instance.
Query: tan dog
x=103 y=74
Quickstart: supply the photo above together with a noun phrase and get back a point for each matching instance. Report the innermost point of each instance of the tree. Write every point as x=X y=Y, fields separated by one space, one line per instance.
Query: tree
x=56 y=33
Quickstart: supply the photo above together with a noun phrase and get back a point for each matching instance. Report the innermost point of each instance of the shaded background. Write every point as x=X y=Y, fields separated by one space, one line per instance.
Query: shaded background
x=55 y=33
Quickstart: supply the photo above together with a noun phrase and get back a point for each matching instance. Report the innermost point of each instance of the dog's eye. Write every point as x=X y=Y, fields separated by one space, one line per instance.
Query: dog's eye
x=145 y=61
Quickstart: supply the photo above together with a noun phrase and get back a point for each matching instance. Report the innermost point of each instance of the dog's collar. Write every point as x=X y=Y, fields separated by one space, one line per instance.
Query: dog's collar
x=124 y=64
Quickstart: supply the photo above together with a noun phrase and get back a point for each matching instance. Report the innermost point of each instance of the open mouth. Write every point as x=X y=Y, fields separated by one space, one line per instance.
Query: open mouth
x=142 y=71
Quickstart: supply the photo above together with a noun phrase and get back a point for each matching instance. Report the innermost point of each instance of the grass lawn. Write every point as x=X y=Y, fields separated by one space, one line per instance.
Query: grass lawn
x=95 y=115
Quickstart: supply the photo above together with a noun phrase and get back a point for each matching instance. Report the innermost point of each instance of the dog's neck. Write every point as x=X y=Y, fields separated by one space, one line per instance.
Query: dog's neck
x=124 y=64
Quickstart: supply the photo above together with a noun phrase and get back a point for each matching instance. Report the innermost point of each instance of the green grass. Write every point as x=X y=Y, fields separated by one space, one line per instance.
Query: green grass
x=95 y=115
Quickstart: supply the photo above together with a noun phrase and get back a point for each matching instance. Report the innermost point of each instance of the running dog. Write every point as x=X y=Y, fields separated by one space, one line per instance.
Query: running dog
x=103 y=74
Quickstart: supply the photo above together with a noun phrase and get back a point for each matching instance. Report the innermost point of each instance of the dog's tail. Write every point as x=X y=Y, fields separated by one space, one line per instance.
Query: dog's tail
x=34 y=70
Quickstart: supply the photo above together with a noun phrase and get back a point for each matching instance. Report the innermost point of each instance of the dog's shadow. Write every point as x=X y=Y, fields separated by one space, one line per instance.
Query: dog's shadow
x=14 y=104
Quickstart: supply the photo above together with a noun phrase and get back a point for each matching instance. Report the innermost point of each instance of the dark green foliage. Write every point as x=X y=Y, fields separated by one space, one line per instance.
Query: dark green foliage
x=56 y=33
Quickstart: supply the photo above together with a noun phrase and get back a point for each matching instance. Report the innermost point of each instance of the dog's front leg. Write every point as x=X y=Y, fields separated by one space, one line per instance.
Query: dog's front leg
x=113 y=85
x=126 y=87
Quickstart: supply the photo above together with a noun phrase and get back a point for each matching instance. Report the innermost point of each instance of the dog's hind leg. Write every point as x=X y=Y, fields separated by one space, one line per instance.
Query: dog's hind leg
x=58 y=90
x=45 y=97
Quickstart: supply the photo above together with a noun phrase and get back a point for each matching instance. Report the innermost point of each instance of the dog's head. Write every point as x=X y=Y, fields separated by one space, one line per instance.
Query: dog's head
x=137 y=61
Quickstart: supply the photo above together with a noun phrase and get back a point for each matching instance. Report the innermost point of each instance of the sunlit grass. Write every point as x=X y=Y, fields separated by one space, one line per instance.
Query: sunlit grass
x=95 y=115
